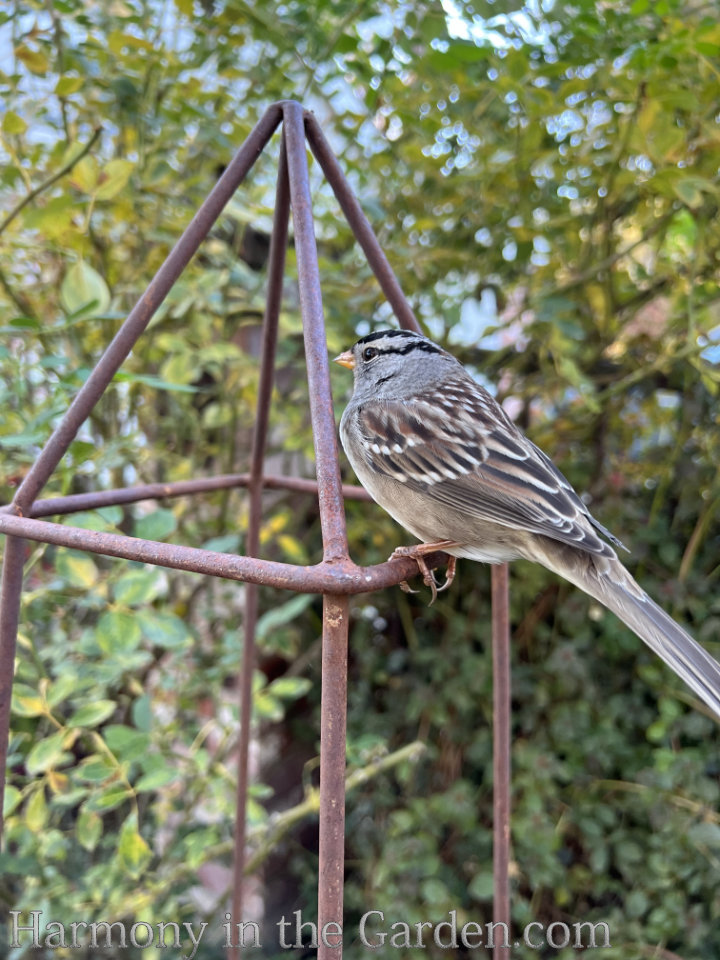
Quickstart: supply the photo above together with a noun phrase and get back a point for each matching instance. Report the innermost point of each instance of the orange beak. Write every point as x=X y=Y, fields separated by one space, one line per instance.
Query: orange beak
x=346 y=360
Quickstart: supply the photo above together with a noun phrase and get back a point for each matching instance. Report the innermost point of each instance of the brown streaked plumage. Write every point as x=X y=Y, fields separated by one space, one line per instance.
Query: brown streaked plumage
x=437 y=451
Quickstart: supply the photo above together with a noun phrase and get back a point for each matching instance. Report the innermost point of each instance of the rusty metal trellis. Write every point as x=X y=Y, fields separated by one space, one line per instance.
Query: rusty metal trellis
x=336 y=577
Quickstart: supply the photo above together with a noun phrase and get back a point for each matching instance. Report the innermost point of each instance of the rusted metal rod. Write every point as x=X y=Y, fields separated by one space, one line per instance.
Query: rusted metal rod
x=336 y=576
x=76 y=502
x=12 y=578
x=333 y=714
x=335 y=545
x=327 y=460
x=501 y=751
x=276 y=269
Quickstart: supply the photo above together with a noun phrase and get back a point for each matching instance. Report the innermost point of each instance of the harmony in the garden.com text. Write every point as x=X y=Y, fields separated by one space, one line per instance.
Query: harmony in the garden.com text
x=373 y=931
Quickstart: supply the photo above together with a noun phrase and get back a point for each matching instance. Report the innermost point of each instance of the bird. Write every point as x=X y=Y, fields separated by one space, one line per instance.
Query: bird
x=441 y=456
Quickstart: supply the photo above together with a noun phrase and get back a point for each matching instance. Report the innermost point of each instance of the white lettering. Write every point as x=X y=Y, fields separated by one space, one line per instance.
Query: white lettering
x=452 y=925
x=95 y=927
x=327 y=932
x=526 y=936
x=465 y=932
x=550 y=935
x=148 y=934
x=16 y=928
x=361 y=929
x=191 y=934
x=57 y=935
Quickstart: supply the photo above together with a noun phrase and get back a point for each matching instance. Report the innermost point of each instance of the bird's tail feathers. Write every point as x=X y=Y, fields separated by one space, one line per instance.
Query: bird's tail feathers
x=607 y=580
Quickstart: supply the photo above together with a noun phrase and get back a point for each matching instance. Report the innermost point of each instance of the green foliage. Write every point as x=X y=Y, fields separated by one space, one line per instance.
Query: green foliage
x=545 y=185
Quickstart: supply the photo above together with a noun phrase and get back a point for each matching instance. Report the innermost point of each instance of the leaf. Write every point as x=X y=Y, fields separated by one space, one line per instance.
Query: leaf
x=158 y=777
x=156 y=525
x=47 y=753
x=84 y=289
x=290 y=688
x=142 y=713
x=88 y=828
x=137 y=587
x=165 y=630
x=113 y=178
x=77 y=569
x=96 y=769
x=36 y=810
x=109 y=799
x=133 y=850
x=122 y=376
x=125 y=742
x=67 y=85
x=84 y=175
x=283 y=614
x=227 y=543
x=11 y=800
x=26 y=702
x=13 y=124
x=34 y=60
x=117 y=632
x=92 y=714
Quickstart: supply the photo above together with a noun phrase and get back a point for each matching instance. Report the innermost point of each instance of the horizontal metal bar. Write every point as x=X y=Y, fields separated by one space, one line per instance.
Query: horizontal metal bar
x=331 y=576
x=75 y=502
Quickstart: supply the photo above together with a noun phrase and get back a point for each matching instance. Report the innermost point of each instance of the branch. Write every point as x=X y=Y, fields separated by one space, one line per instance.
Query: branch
x=50 y=181
x=20 y=301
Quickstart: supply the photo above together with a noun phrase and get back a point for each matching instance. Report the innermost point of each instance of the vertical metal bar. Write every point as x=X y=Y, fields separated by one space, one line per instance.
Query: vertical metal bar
x=332 y=516
x=360 y=225
x=333 y=711
x=501 y=750
x=276 y=269
x=327 y=463
x=138 y=319
x=12 y=578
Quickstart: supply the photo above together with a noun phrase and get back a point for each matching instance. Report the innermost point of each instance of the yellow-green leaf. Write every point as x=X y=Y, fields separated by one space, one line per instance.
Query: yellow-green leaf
x=77 y=569
x=89 y=828
x=34 y=60
x=84 y=288
x=133 y=850
x=67 y=85
x=36 y=810
x=85 y=175
x=117 y=632
x=11 y=800
x=91 y=714
x=13 y=124
x=113 y=177
x=28 y=706
x=47 y=753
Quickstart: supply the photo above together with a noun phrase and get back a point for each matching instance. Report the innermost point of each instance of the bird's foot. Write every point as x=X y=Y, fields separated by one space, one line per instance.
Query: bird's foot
x=418 y=554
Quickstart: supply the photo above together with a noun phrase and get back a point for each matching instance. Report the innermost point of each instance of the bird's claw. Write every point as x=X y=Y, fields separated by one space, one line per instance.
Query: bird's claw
x=418 y=553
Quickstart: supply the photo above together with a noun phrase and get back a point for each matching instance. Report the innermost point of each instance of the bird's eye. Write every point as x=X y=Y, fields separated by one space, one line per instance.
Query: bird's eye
x=369 y=353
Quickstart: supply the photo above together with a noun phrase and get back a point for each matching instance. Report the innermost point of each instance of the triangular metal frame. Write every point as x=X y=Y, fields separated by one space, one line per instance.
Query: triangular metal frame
x=337 y=577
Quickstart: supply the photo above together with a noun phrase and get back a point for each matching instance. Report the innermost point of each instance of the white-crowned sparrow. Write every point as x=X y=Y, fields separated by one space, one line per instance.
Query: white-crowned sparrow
x=436 y=451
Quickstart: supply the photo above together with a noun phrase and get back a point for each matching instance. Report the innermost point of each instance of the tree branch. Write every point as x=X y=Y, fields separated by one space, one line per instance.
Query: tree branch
x=18 y=208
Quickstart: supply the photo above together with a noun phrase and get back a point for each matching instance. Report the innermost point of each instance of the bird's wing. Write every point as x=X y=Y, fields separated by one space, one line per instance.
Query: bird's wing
x=461 y=448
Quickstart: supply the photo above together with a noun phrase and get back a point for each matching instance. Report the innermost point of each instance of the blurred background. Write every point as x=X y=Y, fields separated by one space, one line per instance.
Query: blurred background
x=544 y=180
